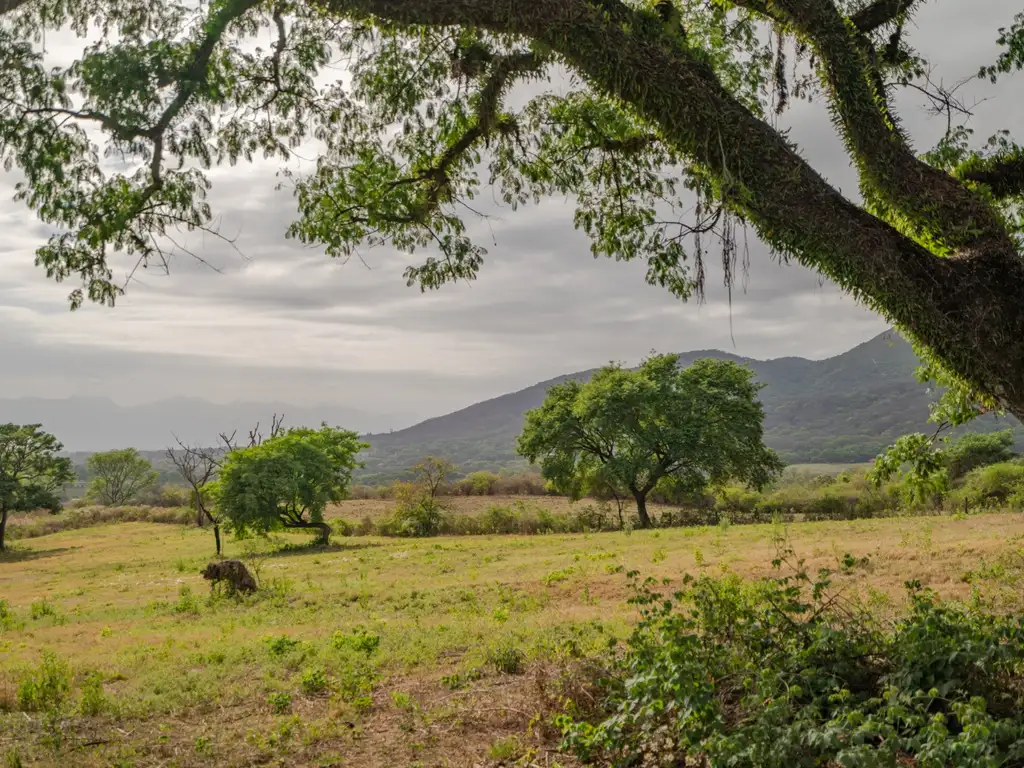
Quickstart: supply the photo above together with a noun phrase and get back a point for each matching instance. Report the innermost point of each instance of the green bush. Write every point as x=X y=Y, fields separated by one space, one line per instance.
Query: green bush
x=313 y=681
x=358 y=640
x=93 y=699
x=784 y=673
x=990 y=486
x=280 y=702
x=46 y=688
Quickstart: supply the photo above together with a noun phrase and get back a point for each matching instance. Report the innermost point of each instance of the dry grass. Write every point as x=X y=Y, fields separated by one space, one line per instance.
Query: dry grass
x=187 y=679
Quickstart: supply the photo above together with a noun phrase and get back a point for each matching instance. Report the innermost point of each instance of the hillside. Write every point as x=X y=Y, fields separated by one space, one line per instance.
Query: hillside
x=843 y=409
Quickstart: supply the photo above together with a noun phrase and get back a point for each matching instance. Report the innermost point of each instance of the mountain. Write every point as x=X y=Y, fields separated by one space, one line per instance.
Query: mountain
x=97 y=424
x=843 y=409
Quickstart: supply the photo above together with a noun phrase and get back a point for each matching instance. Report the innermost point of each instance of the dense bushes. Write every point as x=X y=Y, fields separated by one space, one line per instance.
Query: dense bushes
x=473 y=484
x=30 y=526
x=785 y=672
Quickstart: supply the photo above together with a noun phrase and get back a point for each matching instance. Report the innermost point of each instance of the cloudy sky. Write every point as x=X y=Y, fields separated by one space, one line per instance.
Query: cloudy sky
x=284 y=323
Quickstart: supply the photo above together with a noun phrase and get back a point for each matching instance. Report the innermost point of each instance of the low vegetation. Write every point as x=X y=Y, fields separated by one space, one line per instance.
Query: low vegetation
x=384 y=651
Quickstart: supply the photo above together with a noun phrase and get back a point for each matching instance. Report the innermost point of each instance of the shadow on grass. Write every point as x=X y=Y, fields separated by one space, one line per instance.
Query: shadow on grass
x=290 y=550
x=15 y=554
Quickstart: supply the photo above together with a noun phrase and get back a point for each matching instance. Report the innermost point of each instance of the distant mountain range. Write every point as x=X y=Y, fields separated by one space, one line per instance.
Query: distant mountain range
x=844 y=409
x=840 y=410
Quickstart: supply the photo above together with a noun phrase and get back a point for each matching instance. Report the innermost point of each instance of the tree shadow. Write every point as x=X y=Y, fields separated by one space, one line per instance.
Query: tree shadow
x=15 y=554
x=291 y=550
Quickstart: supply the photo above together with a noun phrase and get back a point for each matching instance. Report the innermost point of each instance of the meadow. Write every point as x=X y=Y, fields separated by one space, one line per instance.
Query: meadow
x=448 y=651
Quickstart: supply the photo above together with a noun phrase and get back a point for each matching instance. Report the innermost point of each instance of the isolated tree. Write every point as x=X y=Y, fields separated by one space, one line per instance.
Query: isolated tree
x=31 y=472
x=663 y=107
x=118 y=477
x=695 y=426
x=198 y=467
x=432 y=473
x=287 y=481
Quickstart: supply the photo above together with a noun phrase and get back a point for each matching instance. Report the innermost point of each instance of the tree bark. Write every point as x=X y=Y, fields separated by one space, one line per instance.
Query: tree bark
x=3 y=526
x=216 y=537
x=641 y=508
x=968 y=309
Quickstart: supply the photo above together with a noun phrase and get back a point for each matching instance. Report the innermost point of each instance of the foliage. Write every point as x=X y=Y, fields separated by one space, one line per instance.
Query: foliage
x=118 y=477
x=418 y=508
x=287 y=480
x=424 y=119
x=973 y=450
x=786 y=672
x=31 y=472
x=631 y=430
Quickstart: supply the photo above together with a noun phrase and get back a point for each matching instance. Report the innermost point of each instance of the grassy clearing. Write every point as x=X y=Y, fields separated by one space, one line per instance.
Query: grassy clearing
x=380 y=652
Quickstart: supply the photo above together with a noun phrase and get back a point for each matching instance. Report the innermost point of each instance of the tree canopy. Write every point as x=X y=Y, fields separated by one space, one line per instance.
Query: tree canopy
x=660 y=130
x=286 y=481
x=631 y=430
x=118 y=477
x=31 y=472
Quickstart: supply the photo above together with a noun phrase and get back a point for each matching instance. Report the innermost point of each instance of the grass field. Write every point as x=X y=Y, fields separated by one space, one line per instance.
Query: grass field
x=382 y=652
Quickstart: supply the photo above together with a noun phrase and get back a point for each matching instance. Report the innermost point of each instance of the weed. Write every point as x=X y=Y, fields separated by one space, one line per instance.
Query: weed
x=281 y=645
x=93 y=700
x=358 y=640
x=188 y=603
x=556 y=576
x=506 y=749
x=313 y=681
x=507 y=659
x=40 y=609
x=280 y=702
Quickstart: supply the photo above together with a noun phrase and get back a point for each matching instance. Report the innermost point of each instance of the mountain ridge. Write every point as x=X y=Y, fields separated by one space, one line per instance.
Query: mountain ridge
x=841 y=409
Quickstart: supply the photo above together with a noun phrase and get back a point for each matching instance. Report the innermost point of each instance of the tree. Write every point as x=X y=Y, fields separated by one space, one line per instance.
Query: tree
x=31 y=472
x=979 y=450
x=287 y=481
x=117 y=477
x=199 y=466
x=432 y=473
x=693 y=427
x=667 y=108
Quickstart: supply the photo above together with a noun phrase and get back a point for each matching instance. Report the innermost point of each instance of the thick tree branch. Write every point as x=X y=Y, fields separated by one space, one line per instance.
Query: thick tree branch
x=963 y=310
x=1003 y=175
x=890 y=171
x=880 y=13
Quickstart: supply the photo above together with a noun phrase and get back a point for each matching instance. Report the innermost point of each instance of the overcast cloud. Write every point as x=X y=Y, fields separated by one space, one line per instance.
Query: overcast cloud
x=285 y=323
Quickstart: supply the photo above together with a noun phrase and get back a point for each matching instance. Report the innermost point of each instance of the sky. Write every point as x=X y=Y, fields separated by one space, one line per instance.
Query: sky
x=282 y=322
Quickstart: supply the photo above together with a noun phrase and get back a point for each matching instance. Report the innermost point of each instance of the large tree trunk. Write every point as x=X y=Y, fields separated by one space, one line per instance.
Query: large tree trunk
x=641 y=508
x=968 y=308
x=3 y=526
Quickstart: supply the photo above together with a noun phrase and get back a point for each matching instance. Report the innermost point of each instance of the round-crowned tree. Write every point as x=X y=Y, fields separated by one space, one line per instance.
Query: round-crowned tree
x=287 y=481
x=692 y=427
x=31 y=472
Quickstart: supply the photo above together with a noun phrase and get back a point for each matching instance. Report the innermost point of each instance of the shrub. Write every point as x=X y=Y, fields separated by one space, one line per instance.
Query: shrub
x=46 y=688
x=507 y=659
x=280 y=702
x=93 y=700
x=784 y=672
x=990 y=486
x=281 y=645
x=313 y=681
x=358 y=640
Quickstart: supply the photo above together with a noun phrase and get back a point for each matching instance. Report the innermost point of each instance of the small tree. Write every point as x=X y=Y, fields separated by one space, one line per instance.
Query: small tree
x=631 y=429
x=199 y=467
x=432 y=473
x=117 y=477
x=287 y=481
x=31 y=474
